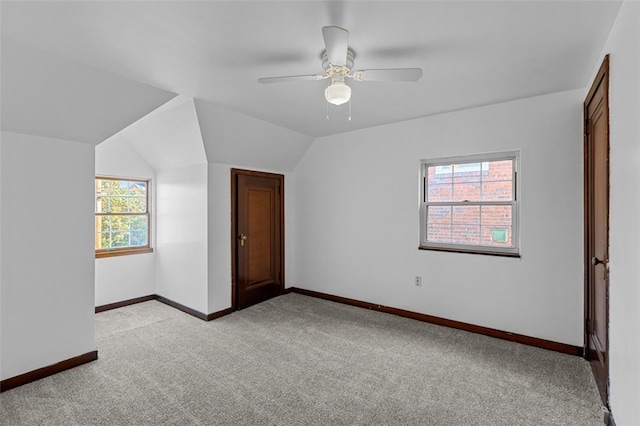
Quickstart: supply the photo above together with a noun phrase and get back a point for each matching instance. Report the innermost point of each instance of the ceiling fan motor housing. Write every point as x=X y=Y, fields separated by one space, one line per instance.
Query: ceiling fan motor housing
x=348 y=65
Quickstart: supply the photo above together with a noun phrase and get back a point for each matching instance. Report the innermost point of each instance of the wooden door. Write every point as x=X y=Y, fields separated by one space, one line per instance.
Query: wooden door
x=596 y=149
x=257 y=236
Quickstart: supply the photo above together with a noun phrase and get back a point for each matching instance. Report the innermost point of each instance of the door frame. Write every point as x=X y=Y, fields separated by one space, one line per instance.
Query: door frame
x=602 y=77
x=234 y=228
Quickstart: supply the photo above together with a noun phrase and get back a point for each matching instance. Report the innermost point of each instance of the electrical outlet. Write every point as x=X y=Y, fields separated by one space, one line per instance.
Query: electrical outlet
x=418 y=281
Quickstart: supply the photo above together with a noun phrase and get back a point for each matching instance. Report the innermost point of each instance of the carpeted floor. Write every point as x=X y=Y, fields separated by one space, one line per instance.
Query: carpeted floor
x=296 y=360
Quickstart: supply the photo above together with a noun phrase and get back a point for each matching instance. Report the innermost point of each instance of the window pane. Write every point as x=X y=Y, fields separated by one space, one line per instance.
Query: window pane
x=498 y=170
x=139 y=238
x=496 y=215
x=136 y=193
x=138 y=227
x=466 y=225
x=117 y=204
x=103 y=223
x=439 y=214
x=119 y=223
x=103 y=185
x=467 y=172
x=119 y=239
x=137 y=223
x=439 y=233
x=497 y=226
x=105 y=240
x=466 y=191
x=137 y=204
x=440 y=193
x=497 y=191
x=439 y=224
x=439 y=174
x=463 y=215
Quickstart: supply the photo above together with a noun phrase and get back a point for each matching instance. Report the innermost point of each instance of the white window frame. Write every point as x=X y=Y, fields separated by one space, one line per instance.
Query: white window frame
x=514 y=250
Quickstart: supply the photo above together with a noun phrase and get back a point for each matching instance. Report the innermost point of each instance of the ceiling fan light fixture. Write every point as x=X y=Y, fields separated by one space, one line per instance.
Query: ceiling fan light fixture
x=337 y=93
x=337 y=62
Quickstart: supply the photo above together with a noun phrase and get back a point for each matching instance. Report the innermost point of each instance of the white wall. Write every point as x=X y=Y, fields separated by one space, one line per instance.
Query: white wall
x=181 y=236
x=624 y=299
x=125 y=277
x=219 y=287
x=1 y=178
x=47 y=246
x=357 y=226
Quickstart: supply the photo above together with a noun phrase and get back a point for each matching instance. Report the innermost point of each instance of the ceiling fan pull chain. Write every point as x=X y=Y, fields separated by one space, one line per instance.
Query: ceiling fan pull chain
x=349 y=110
x=327 y=110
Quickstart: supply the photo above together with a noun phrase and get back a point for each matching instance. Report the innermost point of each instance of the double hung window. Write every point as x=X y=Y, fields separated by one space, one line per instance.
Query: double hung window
x=470 y=204
x=122 y=216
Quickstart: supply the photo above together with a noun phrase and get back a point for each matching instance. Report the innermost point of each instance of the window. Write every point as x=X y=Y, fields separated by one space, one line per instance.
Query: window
x=122 y=217
x=470 y=204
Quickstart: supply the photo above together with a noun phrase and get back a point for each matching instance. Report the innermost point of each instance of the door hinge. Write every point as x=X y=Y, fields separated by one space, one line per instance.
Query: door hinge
x=586 y=325
x=586 y=126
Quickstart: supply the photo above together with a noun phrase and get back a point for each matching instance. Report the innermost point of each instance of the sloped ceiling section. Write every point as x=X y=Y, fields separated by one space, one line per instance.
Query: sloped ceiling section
x=237 y=139
x=47 y=95
x=169 y=137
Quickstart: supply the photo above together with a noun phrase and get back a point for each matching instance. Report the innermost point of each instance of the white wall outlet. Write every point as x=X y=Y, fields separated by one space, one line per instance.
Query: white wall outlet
x=418 y=281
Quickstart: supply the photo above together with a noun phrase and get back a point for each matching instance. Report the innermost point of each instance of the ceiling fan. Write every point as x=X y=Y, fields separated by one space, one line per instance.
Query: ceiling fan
x=337 y=62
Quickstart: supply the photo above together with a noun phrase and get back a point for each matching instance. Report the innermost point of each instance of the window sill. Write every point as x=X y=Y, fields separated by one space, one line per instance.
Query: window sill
x=123 y=252
x=488 y=253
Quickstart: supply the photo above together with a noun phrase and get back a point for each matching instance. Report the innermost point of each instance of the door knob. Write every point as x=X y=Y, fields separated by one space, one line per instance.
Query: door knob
x=242 y=239
x=595 y=261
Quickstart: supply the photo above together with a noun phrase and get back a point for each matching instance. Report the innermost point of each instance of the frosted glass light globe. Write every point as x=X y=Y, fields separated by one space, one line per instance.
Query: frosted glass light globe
x=337 y=93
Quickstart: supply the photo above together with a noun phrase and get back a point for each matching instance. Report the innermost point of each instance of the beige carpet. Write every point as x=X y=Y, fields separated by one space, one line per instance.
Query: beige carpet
x=296 y=360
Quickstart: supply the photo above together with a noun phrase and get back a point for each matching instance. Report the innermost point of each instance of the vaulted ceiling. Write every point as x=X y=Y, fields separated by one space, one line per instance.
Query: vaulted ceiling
x=143 y=53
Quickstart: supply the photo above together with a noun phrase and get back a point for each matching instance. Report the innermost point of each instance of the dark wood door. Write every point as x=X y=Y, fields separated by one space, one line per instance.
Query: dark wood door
x=258 y=236
x=596 y=111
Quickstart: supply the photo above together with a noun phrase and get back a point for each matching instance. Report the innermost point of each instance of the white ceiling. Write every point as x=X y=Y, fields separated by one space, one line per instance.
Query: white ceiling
x=472 y=53
x=46 y=95
x=233 y=138
x=169 y=137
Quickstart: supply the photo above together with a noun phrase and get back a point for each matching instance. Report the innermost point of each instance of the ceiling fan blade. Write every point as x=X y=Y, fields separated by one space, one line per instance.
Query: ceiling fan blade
x=394 y=74
x=289 y=78
x=336 y=42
